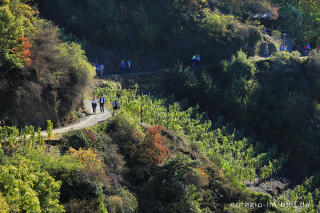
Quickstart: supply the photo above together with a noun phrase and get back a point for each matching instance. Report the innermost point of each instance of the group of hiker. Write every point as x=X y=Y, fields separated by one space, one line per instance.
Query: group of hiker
x=283 y=48
x=306 y=49
x=99 y=70
x=125 y=66
x=305 y=52
x=95 y=103
x=101 y=101
x=195 y=60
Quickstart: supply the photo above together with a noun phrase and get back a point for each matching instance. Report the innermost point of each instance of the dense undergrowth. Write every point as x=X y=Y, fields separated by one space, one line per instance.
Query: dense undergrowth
x=178 y=160
x=159 y=33
x=275 y=99
x=124 y=166
x=154 y=34
x=117 y=166
x=239 y=158
x=41 y=76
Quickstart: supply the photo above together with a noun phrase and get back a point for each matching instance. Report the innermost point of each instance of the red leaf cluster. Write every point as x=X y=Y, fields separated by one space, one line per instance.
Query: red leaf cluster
x=156 y=151
x=23 y=49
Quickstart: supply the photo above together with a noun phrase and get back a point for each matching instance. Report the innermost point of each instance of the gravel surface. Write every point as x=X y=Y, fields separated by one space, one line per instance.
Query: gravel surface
x=89 y=120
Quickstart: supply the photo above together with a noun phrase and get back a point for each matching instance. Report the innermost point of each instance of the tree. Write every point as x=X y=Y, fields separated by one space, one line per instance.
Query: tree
x=15 y=30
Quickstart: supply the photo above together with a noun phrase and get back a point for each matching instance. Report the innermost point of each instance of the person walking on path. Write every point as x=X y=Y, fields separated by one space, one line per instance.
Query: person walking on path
x=94 y=105
x=198 y=60
x=194 y=61
x=305 y=49
x=122 y=67
x=101 y=68
x=97 y=70
x=101 y=103
x=115 y=106
x=128 y=65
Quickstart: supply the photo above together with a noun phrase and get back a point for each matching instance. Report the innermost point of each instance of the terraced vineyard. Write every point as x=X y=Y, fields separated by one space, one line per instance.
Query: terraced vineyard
x=241 y=158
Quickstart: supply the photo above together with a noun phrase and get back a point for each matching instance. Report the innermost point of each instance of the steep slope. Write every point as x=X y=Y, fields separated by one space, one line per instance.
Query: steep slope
x=42 y=77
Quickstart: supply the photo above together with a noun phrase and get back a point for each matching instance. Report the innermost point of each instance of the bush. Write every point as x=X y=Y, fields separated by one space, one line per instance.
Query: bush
x=77 y=139
x=16 y=26
x=130 y=203
x=51 y=84
x=37 y=189
x=124 y=131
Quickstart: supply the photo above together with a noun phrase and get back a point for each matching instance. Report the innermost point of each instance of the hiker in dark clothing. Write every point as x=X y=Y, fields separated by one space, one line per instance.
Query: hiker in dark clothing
x=101 y=68
x=94 y=105
x=194 y=61
x=97 y=70
x=128 y=66
x=101 y=103
x=122 y=67
x=115 y=106
x=198 y=60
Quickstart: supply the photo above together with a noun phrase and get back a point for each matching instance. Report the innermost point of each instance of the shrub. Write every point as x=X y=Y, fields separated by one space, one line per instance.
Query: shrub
x=151 y=151
x=49 y=130
x=51 y=85
x=80 y=206
x=4 y=207
x=114 y=204
x=37 y=189
x=125 y=131
x=92 y=161
x=16 y=29
x=77 y=139
x=114 y=161
x=174 y=185
x=130 y=203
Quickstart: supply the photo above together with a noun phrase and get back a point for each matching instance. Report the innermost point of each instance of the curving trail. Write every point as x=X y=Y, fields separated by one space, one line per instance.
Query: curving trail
x=90 y=120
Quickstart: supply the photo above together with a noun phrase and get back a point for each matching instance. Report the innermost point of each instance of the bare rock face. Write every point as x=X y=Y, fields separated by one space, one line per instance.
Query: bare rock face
x=271 y=186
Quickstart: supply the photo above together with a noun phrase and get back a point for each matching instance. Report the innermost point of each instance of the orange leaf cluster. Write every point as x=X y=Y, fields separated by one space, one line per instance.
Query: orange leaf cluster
x=155 y=149
x=203 y=177
x=24 y=49
x=89 y=158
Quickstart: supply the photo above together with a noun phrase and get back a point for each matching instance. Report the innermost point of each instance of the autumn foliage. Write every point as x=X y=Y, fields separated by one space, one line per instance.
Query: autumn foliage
x=23 y=50
x=89 y=158
x=152 y=150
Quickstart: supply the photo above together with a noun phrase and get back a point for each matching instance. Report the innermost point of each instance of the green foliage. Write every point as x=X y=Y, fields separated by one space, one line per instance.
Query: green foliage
x=57 y=69
x=276 y=99
x=49 y=129
x=244 y=9
x=15 y=22
x=77 y=139
x=53 y=162
x=4 y=207
x=238 y=157
x=300 y=19
x=28 y=188
x=130 y=203
x=292 y=19
x=159 y=28
x=240 y=67
x=176 y=188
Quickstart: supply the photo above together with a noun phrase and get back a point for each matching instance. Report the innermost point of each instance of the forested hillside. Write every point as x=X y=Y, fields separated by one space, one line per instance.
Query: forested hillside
x=236 y=132
x=42 y=76
x=153 y=34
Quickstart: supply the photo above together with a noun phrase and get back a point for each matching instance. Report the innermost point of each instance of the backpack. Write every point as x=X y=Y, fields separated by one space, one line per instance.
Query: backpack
x=116 y=104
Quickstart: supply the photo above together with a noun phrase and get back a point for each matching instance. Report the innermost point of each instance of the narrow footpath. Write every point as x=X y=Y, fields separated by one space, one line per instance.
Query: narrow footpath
x=90 y=120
